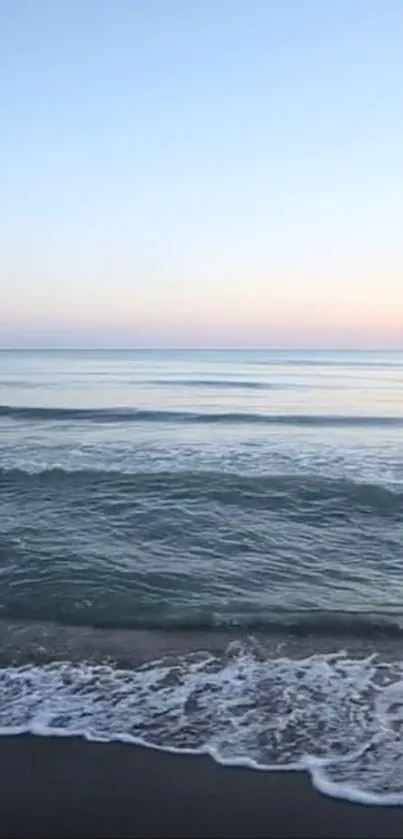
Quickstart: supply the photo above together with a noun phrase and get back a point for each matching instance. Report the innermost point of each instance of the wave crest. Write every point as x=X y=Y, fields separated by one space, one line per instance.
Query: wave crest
x=129 y=415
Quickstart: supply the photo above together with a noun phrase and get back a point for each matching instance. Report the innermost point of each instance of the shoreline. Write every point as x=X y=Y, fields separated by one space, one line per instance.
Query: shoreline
x=68 y=787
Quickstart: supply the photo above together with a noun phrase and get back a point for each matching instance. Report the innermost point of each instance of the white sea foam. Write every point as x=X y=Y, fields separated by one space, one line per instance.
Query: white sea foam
x=337 y=717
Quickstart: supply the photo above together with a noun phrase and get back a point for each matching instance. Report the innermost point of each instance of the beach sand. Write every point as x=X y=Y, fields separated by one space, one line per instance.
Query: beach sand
x=71 y=788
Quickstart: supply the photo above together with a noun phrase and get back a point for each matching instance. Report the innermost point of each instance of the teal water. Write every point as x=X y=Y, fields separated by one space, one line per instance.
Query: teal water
x=183 y=489
x=203 y=551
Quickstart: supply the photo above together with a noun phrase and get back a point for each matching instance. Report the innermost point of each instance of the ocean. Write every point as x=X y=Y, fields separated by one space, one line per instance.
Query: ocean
x=203 y=552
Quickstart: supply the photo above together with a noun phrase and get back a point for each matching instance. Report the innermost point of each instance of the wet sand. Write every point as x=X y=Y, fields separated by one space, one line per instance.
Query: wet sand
x=70 y=788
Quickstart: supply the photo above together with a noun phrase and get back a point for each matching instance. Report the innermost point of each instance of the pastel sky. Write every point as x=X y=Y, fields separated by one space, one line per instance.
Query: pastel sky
x=201 y=173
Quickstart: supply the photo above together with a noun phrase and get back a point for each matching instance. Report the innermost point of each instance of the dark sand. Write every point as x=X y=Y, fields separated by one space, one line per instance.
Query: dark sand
x=70 y=788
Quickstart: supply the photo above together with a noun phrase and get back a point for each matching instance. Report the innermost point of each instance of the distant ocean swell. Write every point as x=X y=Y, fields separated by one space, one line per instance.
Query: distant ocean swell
x=219 y=384
x=129 y=415
x=215 y=383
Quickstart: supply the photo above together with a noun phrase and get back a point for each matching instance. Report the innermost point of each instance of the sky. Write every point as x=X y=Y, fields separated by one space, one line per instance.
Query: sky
x=201 y=173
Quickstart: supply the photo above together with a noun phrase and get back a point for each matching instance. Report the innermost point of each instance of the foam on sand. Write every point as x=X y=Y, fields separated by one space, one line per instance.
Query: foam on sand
x=340 y=718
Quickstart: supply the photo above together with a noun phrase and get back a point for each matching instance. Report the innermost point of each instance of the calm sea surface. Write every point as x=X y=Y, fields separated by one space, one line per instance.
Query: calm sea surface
x=238 y=513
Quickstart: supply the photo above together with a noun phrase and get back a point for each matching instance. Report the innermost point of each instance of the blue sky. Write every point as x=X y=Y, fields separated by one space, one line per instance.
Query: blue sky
x=201 y=172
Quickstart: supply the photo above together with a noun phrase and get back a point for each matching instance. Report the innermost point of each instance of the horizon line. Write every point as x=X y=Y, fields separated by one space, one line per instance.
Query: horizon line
x=201 y=349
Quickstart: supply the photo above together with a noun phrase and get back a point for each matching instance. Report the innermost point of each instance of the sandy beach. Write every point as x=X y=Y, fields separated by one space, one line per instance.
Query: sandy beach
x=70 y=788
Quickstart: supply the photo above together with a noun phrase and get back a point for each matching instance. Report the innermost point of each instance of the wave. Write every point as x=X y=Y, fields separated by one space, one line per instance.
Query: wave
x=103 y=601
x=129 y=415
x=334 y=715
x=219 y=384
x=343 y=626
x=200 y=550
x=342 y=361
x=222 y=485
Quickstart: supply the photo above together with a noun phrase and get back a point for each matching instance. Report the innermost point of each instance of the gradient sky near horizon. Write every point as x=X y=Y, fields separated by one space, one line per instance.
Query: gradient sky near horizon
x=201 y=173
